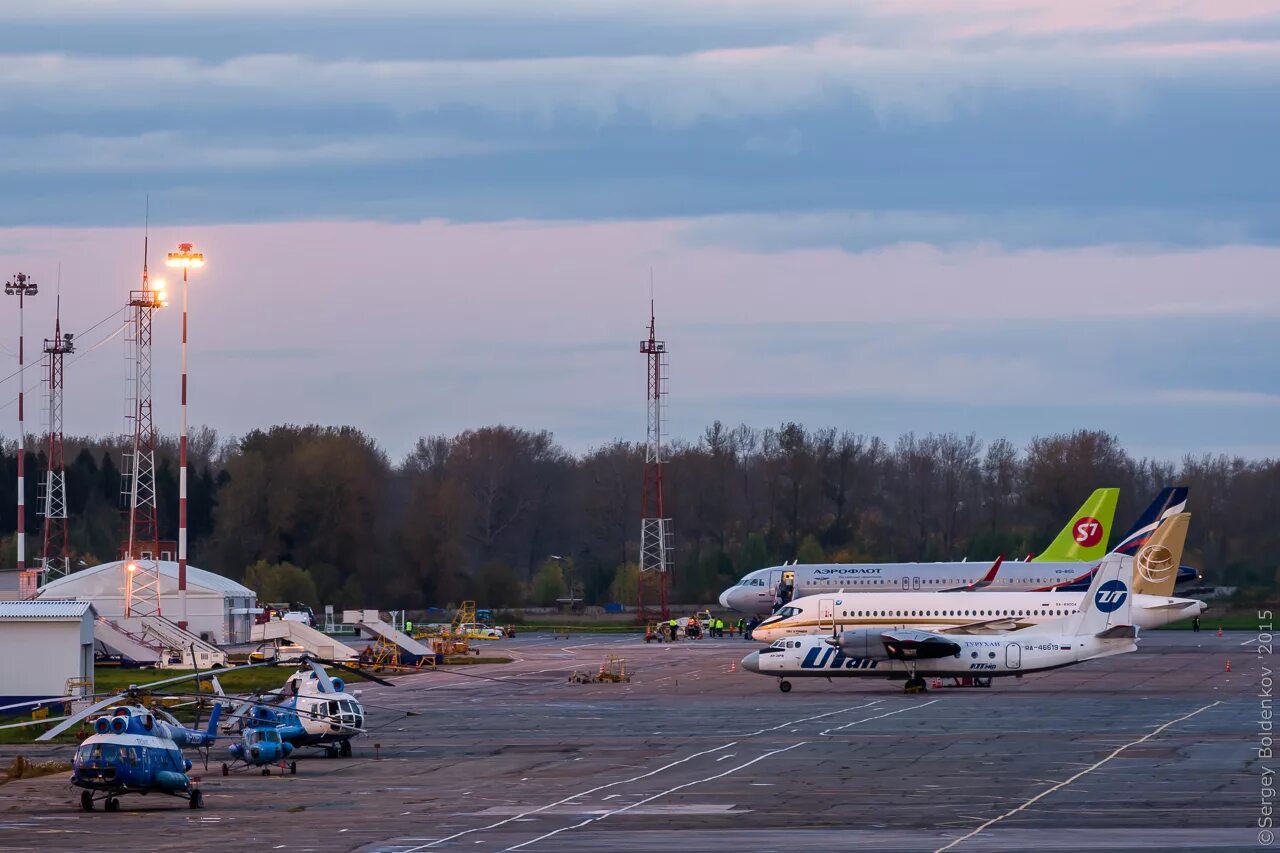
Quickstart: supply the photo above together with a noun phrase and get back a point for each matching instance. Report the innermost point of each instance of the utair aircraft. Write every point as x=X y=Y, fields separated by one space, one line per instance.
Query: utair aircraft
x=989 y=612
x=1102 y=628
x=1066 y=565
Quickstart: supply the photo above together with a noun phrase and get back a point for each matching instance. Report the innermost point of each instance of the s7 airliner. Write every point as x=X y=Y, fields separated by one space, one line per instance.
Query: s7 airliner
x=1067 y=565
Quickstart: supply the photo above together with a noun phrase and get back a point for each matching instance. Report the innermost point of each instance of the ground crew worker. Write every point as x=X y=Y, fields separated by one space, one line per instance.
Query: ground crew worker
x=673 y=627
x=719 y=627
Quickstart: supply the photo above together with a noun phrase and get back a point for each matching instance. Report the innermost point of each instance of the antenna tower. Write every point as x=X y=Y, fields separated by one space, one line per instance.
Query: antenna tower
x=142 y=549
x=55 y=555
x=655 y=527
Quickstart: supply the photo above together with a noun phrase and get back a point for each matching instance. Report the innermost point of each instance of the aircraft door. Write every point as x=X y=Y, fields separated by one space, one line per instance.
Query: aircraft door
x=1013 y=656
x=906 y=582
x=826 y=613
x=915 y=583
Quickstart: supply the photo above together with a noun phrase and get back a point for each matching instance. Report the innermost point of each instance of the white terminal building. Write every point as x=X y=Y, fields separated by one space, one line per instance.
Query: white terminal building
x=219 y=610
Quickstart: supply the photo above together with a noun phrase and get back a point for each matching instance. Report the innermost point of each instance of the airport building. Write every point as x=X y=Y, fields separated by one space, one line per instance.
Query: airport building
x=219 y=610
x=48 y=649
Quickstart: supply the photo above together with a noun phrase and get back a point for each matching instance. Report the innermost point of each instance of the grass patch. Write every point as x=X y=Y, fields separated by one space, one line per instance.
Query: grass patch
x=466 y=660
x=1210 y=624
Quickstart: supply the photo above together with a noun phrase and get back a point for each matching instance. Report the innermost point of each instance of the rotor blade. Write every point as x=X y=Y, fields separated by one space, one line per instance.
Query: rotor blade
x=349 y=668
x=33 y=705
x=75 y=718
x=324 y=685
x=26 y=723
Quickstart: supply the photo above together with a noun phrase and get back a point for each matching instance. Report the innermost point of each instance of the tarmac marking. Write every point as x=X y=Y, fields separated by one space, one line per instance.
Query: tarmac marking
x=569 y=798
x=807 y=719
x=667 y=766
x=1092 y=767
x=653 y=797
x=827 y=732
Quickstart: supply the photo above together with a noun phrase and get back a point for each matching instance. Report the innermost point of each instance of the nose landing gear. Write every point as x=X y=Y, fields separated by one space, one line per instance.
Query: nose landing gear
x=784 y=685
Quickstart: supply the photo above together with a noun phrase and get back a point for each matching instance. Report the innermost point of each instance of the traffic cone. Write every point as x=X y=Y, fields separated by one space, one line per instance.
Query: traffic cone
x=1219 y=630
x=1228 y=664
x=733 y=667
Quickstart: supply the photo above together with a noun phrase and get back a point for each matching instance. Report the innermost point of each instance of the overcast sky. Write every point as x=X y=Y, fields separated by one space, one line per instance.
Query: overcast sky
x=1005 y=216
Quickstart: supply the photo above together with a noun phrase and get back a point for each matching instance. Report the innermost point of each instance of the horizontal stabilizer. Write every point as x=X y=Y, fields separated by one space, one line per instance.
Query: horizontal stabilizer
x=1118 y=632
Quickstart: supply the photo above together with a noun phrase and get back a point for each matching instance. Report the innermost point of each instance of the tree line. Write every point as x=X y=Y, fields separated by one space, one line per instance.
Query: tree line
x=323 y=515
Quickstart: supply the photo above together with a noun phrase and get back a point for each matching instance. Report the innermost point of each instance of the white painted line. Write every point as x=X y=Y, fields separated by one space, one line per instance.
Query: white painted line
x=658 y=795
x=570 y=798
x=1092 y=767
x=827 y=732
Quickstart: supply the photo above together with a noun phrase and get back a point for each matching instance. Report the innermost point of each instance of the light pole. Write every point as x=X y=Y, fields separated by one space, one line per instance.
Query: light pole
x=567 y=568
x=22 y=286
x=186 y=259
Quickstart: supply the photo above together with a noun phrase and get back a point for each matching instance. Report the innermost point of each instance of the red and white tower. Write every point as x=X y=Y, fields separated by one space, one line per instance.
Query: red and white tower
x=187 y=260
x=22 y=286
x=655 y=527
x=142 y=548
x=55 y=555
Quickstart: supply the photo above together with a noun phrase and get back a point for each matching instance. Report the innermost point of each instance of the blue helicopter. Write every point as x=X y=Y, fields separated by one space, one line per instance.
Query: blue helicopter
x=311 y=709
x=265 y=740
x=133 y=749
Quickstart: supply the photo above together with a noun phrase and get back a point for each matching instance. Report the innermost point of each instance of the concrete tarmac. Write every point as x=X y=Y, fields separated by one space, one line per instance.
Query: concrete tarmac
x=1155 y=750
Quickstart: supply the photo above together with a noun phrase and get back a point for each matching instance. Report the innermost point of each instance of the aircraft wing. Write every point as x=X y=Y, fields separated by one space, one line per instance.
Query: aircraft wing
x=998 y=625
x=984 y=581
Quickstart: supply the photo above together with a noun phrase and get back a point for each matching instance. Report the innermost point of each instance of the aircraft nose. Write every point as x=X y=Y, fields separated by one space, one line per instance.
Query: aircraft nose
x=724 y=599
x=751 y=663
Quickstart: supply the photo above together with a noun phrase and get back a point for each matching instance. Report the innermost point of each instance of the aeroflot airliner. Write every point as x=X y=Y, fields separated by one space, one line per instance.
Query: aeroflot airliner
x=1067 y=565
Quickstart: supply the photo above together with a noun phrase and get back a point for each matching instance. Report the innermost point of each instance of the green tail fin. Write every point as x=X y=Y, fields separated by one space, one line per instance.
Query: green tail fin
x=1085 y=538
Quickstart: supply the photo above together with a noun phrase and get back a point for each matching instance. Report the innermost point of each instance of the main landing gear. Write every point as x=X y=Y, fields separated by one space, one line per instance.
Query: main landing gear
x=784 y=685
x=915 y=684
x=109 y=802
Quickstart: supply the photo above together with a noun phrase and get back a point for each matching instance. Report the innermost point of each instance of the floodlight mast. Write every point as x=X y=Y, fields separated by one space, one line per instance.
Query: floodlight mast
x=22 y=286
x=185 y=259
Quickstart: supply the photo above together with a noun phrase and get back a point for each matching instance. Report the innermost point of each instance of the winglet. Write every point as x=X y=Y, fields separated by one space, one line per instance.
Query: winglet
x=985 y=581
x=1084 y=539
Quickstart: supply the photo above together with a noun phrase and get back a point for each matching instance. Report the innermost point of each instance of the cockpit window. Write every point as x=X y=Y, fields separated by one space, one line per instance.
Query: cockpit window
x=788 y=612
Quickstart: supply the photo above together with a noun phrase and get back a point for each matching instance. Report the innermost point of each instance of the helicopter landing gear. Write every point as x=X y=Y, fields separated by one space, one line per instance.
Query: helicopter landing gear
x=784 y=685
x=226 y=770
x=293 y=768
x=112 y=804
x=345 y=749
x=330 y=752
x=197 y=799
x=86 y=800
x=266 y=771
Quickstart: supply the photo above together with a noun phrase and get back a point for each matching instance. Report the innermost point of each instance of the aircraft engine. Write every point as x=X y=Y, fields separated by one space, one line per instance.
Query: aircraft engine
x=338 y=684
x=102 y=725
x=119 y=725
x=861 y=643
x=917 y=645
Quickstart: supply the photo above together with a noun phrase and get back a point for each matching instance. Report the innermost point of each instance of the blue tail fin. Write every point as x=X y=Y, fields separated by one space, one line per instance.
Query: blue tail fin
x=212 y=731
x=1171 y=501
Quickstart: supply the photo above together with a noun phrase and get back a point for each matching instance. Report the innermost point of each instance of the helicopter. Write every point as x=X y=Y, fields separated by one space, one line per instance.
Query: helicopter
x=133 y=749
x=264 y=740
x=313 y=709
